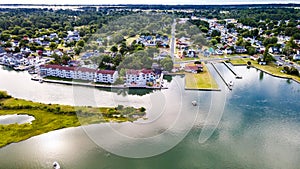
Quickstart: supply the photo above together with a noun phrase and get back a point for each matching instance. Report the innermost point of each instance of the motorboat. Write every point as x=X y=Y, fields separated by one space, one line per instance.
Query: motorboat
x=230 y=83
x=56 y=165
x=194 y=103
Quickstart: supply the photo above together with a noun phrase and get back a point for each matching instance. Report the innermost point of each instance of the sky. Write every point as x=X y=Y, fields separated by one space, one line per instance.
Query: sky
x=167 y=2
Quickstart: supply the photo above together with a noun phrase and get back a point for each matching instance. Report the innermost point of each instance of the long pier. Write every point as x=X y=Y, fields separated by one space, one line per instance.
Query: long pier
x=230 y=68
x=227 y=84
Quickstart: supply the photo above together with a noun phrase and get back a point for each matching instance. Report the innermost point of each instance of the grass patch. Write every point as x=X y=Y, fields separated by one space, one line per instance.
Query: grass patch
x=131 y=39
x=239 y=61
x=202 y=80
x=49 y=117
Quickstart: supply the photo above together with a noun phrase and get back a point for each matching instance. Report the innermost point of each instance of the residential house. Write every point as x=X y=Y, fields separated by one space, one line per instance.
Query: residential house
x=2 y=51
x=240 y=49
x=274 y=50
x=206 y=53
x=219 y=52
x=296 y=57
x=228 y=51
x=193 y=68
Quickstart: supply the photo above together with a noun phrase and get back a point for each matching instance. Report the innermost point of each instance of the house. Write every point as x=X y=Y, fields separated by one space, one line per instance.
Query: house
x=240 y=49
x=296 y=57
x=219 y=52
x=82 y=73
x=228 y=51
x=206 y=53
x=139 y=77
x=274 y=50
x=191 y=53
x=2 y=51
x=193 y=68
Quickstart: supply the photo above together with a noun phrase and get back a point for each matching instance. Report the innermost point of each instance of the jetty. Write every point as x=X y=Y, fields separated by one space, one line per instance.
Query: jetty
x=226 y=83
x=230 y=68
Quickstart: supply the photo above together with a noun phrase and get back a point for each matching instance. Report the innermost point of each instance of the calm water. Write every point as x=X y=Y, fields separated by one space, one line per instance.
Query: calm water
x=15 y=118
x=259 y=127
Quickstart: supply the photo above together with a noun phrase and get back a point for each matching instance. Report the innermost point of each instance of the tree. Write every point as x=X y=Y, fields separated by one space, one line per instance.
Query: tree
x=114 y=49
x=267 y=57
x=80 y=43
x=167 y=64
x=215 y=33
x=53 y=45
x=251 y=50
x=269 y=41
x=213 y=41
x=77 y=50
x=4 y=37
x=17 y=50
x=296 y=36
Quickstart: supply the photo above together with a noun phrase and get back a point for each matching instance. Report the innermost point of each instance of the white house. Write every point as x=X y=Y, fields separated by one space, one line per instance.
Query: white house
x=296 y=57
x=139 y=77
x=82 y=73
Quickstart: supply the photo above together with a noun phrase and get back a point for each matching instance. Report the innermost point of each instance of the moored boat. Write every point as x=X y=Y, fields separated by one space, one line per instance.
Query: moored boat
x=56 y=165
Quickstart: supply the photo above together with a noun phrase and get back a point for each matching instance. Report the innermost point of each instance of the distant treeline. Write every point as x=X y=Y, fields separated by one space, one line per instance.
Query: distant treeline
x=170 y=7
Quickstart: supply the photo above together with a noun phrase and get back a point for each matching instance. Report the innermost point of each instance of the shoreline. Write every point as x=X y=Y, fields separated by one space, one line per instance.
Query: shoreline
x=265 y=71
x=95 y=85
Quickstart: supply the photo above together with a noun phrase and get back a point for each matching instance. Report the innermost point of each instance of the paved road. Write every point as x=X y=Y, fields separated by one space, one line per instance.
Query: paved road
x=173 y=41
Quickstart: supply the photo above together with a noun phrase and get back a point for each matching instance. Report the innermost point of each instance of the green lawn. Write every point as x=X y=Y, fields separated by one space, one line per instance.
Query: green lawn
x=49 y=117
x=185 y=59
x=202 y=80
x=238 y=61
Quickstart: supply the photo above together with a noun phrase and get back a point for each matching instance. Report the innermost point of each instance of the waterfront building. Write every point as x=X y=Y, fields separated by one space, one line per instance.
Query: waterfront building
x=139 y=77
x=81 y=73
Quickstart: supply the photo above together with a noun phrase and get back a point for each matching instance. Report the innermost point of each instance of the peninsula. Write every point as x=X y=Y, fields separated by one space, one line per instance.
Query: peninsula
x=49 y=117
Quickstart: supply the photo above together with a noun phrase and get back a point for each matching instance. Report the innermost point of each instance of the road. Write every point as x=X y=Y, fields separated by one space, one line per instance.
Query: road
x=173 y=41
x=278 y=59
x=209 y=59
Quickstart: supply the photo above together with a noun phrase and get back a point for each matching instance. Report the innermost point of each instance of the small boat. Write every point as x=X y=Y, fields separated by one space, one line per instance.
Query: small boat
x=41 y=80
x=238 y=76
x=230 y=83
x=56 y=165
x=194 y=103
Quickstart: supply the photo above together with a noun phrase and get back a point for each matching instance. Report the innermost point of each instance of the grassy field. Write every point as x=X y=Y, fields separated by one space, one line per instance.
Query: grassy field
x=202 y=80
x=49 y=117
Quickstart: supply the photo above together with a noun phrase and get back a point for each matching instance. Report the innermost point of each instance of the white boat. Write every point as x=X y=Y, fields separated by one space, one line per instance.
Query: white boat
x=194 y=103
x=230 y=83
x=56 y=165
